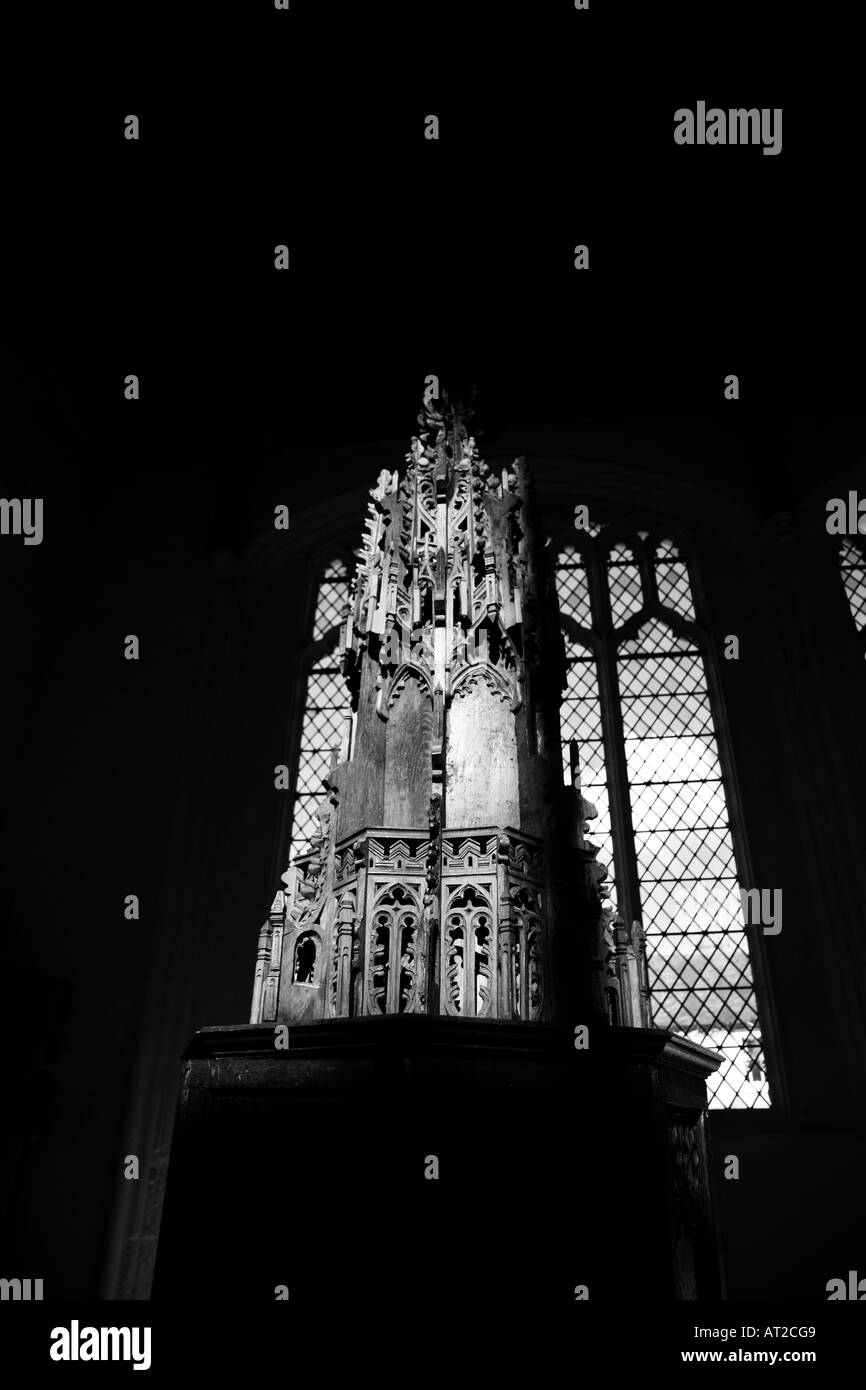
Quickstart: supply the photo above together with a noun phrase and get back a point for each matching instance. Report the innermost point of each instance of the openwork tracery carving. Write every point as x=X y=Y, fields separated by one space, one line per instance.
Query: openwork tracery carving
x=393 y=950
x=526 y=919
x=468 y=952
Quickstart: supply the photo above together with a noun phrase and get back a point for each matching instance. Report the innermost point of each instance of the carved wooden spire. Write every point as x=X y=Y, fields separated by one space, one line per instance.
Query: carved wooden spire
x=446 y=878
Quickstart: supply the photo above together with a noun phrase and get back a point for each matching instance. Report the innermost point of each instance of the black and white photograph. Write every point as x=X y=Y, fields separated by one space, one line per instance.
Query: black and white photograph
x=433 y=554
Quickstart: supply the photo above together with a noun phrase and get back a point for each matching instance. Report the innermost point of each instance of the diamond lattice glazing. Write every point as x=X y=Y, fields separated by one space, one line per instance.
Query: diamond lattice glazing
x=696 y=947
x=624 y=584
x=580 y=718
x=327 y=703
x=672 y=581
x=329 y=606
x=853 y=562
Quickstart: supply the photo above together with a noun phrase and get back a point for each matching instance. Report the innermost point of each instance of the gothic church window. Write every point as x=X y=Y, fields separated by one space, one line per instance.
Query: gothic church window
x=638 y=703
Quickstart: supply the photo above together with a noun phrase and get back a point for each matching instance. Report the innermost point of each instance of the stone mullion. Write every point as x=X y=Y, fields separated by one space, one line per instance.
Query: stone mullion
x=625 y=858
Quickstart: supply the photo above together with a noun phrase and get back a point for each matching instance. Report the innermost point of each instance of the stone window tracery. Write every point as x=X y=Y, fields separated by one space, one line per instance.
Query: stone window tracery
x=638 y=702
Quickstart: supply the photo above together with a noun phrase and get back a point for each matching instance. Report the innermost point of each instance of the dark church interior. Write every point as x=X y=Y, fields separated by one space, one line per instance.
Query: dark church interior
x=641 y=1086
x=157 y=780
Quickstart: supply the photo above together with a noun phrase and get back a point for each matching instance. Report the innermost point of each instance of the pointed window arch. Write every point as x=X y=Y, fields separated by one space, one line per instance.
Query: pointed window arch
x=642 y=702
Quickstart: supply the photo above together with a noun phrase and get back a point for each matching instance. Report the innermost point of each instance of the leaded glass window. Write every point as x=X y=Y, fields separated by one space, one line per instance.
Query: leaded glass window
x=853 y=562
x=638 y=703
x=326 y=704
